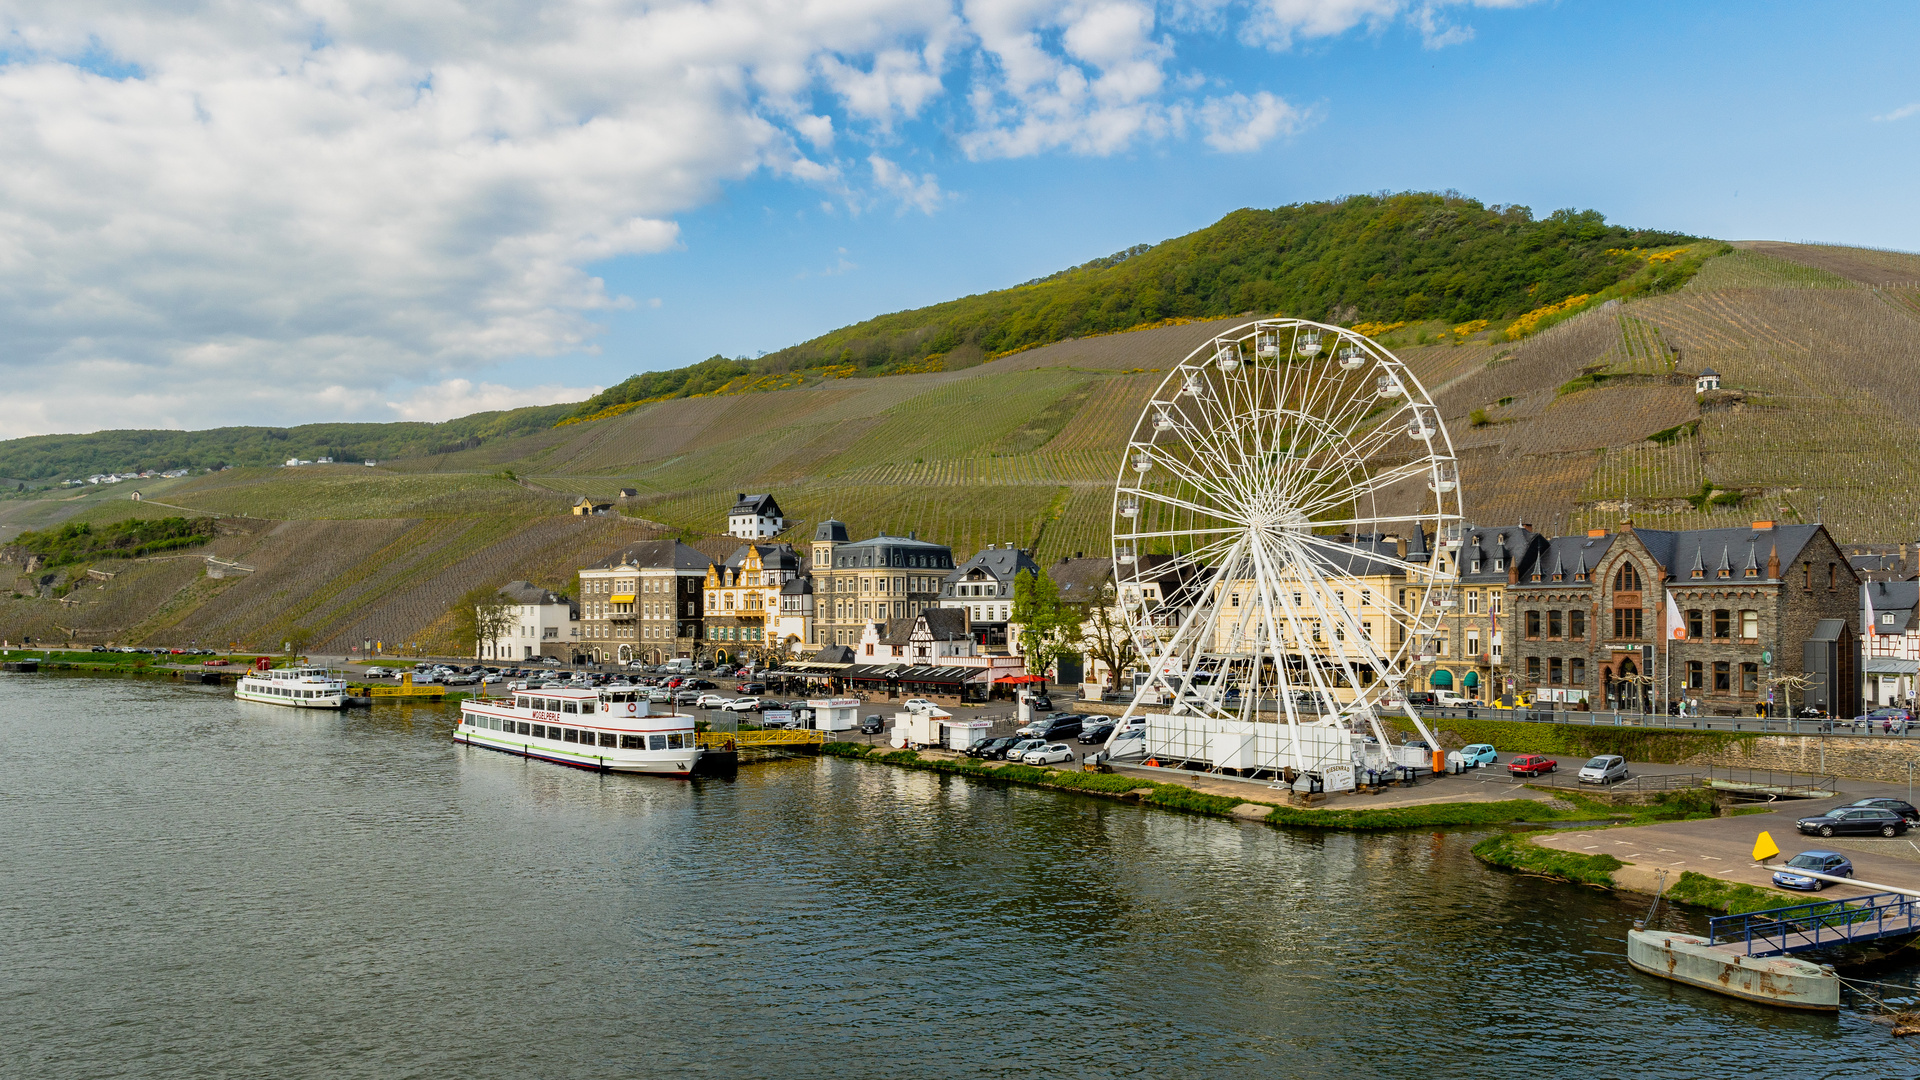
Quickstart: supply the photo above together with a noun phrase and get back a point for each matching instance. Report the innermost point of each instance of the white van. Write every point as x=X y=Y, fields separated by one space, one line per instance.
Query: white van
x=679 y=665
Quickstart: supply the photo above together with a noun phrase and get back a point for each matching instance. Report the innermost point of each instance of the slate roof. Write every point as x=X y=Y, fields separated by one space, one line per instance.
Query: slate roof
x=772 y=557
x=1733 y=550
x=1507 y=546
x=1897 y=598
x=799 y=586
x=655 y=555
x=884 y=550
x=527 y=594
x=1569 y=558
x=830 y=529
x=1080 y=580
x=945 y=624
x=997 y=563
x=758 y=505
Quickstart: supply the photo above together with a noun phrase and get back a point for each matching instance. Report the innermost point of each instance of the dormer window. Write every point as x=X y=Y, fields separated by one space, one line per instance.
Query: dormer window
x=1476 y=566
x=1499 y=564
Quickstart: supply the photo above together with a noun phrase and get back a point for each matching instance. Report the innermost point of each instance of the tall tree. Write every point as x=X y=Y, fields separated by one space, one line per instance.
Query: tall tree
x=1104 y=635
x=1047 y=628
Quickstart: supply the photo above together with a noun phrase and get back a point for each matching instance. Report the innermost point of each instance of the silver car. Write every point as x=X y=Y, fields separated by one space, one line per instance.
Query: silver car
x=1605 y=769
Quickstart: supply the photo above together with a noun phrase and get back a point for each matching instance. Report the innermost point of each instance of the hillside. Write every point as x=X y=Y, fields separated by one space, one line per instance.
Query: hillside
x=1586 y=422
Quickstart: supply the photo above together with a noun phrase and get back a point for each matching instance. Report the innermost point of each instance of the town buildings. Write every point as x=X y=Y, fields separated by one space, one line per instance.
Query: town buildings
x=1468 y=652
x=644 y=602
x=538 y=622
x=1757 y=607
x=983 y=588
x=886 y=577
x=1892 y=640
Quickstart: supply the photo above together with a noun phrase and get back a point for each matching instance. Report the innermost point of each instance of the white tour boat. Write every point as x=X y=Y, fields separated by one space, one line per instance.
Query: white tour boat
x=294 y=686
x=613 y=729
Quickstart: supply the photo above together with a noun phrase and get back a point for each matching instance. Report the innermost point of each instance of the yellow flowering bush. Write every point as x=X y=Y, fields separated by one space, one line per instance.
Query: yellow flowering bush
x=1526 y=324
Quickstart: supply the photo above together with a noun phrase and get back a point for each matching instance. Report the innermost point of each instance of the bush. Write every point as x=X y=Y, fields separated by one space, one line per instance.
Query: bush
x=1727 y=897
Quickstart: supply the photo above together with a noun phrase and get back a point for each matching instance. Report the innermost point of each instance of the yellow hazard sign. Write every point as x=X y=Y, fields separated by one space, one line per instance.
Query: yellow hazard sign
x=1764 y=848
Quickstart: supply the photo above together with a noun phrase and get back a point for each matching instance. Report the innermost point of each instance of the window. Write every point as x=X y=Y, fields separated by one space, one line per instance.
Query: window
x=1493 y=602
x=1833 y=577
x=1553 y=671
x=570 y=706
x=1696 y=624
x=525 y=729
x=1627 y=580
x=1533 y=624
x=571 y=735
x=657 y=742
x=1533 y=669
x=1722 y=622
x=633 y=742
x=1577 y=671
x=1722 y=676
x=1473 y=601
x=1473 y=643
x=1696 y=675
x=1553 y=624
x=609 y=739
x=1626 y=623
x=1749 y=678
x=1750 y=625
x=1576 y=624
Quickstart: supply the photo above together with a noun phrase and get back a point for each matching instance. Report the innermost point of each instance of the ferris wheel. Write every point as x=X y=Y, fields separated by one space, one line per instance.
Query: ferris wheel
x=1274 y=529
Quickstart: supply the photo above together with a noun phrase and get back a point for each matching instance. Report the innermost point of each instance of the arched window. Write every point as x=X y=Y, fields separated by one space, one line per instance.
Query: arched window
x=1627 y=580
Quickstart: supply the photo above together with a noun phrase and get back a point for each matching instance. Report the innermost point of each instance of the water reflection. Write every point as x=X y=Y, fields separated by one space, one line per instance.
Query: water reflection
x=193 y=886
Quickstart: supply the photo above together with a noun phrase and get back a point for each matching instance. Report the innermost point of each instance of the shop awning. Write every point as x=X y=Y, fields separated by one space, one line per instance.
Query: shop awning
x=939 y=676
x=1442 y=677
x=1891 y=665
x=870 y=673
x=1471 y=678
x=620 y=598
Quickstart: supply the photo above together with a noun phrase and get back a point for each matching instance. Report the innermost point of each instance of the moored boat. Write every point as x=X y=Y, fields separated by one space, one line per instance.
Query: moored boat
x=613 y=729
x=295 y=686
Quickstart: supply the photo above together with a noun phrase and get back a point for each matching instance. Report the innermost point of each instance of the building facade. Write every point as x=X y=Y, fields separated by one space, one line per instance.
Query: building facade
x=983 y=588
x=886 y=577
x=540 y=623
x=1759 y=609
x=1468 y=654
x=755 y=517
x=644 y=602
x=1892 y=641
x=743 y=600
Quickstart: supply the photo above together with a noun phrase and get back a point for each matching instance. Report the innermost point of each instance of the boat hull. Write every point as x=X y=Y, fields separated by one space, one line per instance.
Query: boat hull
x=603 y=759
x=335 y=701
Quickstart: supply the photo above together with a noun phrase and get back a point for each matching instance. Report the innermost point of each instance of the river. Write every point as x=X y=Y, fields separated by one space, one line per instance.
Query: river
x=192 y=886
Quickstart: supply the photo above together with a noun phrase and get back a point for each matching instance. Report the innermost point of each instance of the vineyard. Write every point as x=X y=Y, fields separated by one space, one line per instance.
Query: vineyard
x=1582 y=425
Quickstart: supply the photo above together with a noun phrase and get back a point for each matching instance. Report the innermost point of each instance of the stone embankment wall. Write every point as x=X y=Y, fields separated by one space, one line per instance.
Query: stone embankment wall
x=1893 y=760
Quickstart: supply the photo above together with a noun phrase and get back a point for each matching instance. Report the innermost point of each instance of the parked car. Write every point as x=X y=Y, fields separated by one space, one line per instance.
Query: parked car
x=660 y=694
x=1854 y=821
x=1042 y=702
x=687 y=697
x=872 y=725
x=752 y=688
x=1478 y=754
x=918 y=704
x=1060 y=727
x=1019 y=748
x=1820 y=862
x=1605 y=769
x=988 y=748
x=1899 y=806
x=711 y=701
x=1096 y=731
x=1048 y=754
x=1531 y=765
x=1423 y=699
x=744 y=704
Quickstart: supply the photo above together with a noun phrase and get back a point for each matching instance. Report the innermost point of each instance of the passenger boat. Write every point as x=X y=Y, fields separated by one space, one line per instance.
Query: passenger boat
x=294 y=686
x=613 y=729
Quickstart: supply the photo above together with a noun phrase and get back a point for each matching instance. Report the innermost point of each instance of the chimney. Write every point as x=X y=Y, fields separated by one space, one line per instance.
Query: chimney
x=1626 y=525
x=740 y=497
x=1527 y=525
x=1762 y=525
x=913 y=534
x=1513 y=572
x=1596 y=532
x=1773 y=563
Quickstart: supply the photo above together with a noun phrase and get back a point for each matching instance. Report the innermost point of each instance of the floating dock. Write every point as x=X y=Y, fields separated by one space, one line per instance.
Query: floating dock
x=1770 y=980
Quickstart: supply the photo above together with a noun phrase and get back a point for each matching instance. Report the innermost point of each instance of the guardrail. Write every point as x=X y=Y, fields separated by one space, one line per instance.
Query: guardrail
x=732 y=740
x=1801 y=927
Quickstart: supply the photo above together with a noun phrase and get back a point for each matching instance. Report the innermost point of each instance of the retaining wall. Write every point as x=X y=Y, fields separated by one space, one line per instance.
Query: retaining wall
x=1892 y=760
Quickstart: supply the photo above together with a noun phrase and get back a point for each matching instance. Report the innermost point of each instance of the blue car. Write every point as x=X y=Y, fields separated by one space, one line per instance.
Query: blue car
x=1820 y=862
x=1478 y=754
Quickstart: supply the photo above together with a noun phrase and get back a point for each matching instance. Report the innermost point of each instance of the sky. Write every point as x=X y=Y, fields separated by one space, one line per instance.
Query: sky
x=290 y=211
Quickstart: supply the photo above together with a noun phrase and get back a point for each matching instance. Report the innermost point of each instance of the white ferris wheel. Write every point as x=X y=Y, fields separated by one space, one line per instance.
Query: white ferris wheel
x=1274 y=531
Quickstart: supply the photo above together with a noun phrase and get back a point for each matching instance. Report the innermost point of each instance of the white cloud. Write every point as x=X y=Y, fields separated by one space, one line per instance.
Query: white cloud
x=265 y=211
x=460 y=397
x=1280 y=23
x=1238 y=123
x=921 y=192
x=1901 y=113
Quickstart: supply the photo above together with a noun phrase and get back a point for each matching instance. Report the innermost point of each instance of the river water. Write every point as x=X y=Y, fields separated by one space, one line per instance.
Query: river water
x=191 y=886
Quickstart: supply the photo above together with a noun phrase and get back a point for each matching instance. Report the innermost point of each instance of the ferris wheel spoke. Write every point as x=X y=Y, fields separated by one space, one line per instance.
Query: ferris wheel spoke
x=1372 y=485
x=1233 y=529
x=1219 y=512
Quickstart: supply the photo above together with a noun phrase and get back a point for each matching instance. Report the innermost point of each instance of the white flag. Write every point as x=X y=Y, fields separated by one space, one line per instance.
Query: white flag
x=1675 y=628
x=1866 y=591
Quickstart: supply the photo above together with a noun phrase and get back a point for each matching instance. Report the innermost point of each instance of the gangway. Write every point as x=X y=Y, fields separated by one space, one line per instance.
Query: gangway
x=1819 y=925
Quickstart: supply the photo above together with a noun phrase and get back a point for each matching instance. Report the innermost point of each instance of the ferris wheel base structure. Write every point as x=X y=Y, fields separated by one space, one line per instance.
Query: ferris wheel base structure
x=1268 y=748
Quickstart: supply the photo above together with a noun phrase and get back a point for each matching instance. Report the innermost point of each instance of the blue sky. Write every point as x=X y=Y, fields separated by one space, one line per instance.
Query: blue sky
x=414 y=210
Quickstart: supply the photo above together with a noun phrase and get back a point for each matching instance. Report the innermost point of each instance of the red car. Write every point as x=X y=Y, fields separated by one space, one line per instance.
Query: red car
x=1531 y=765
